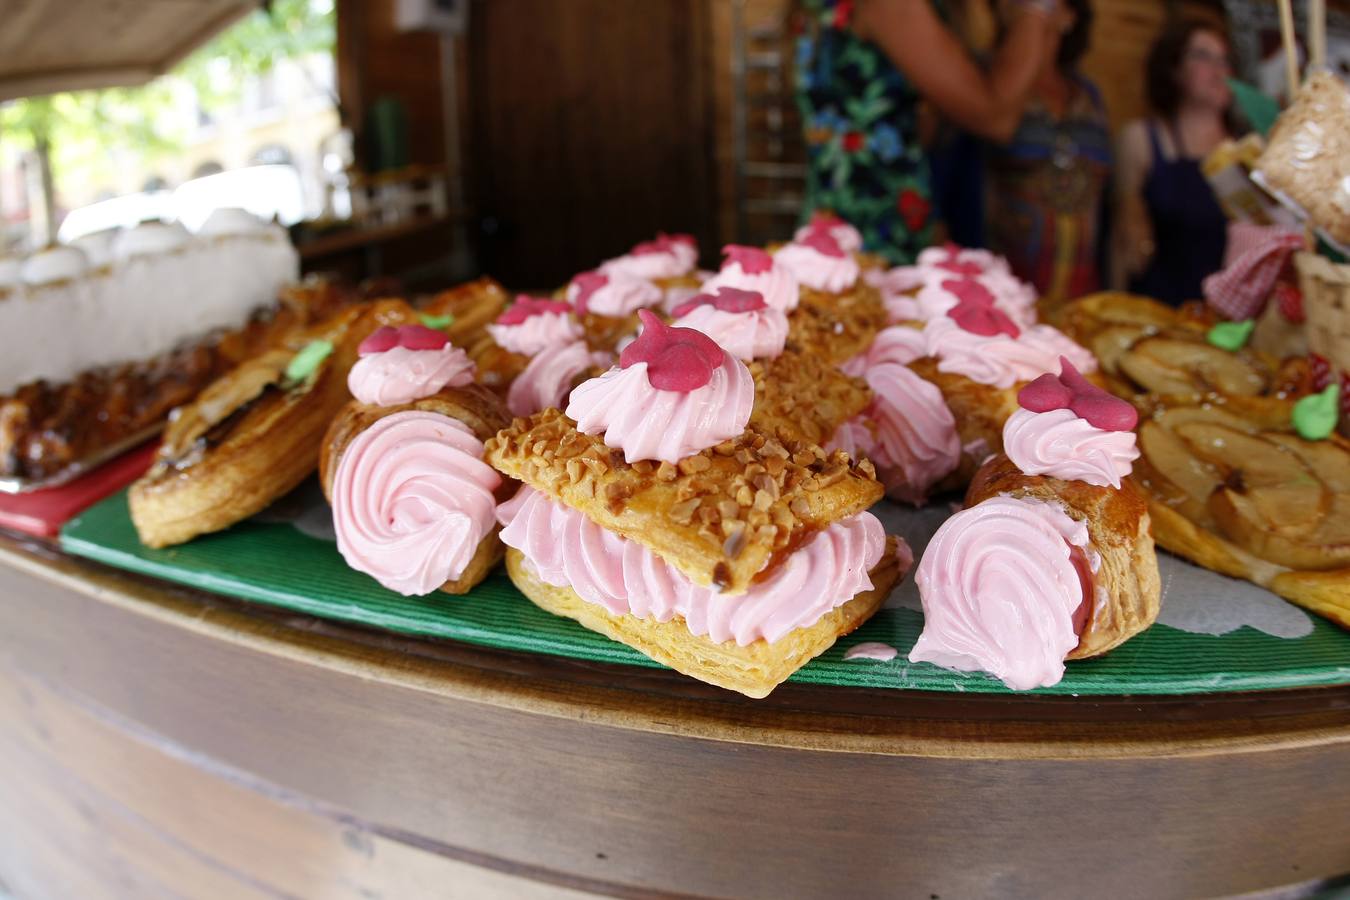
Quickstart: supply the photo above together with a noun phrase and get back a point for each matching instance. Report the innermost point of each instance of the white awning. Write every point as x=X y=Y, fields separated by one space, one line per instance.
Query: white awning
x=48 y=46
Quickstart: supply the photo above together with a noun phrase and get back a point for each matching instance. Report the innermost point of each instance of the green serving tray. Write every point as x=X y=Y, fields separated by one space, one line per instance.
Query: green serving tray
x=269 y=560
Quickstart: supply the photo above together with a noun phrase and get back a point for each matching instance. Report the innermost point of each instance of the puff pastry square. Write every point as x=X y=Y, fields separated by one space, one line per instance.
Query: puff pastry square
x=721 y=517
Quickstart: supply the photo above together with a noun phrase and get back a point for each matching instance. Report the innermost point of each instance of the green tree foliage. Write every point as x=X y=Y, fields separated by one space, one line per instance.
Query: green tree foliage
x=86 y=130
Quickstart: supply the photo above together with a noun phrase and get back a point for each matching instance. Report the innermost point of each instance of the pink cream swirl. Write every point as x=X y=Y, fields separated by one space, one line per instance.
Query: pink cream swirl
x=1060 y=444
x=821 y=271
x=777 y=285
x=667 y=256
x=612 y=294
x=1057 y=343
x=915 y=431
x=895 y=344
x=760 y=334
x=567 y=549
x=548 y=379
x=649 y=423
x=412 y=498
x=1004 y=586
x=998 y=360
x=536 y=332
x=401 y=375
x=844 y=234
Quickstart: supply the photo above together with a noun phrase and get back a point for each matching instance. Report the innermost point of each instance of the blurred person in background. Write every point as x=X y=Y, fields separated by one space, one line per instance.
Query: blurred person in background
x=1170 y=231
x=1045 y=187
x=863 y=68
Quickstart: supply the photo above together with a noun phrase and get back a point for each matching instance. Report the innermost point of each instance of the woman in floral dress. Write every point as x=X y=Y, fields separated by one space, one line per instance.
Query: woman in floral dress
x=863 y=66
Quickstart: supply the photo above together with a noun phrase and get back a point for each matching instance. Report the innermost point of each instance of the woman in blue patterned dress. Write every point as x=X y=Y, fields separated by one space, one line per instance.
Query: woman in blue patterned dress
x=863 y=66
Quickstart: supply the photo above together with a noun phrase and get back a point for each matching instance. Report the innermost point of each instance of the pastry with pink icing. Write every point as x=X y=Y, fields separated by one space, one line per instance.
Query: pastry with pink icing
x=551 y=375
x=1068 y=428
x=820 y=263
x=907 y=430
x=674 y=393
x=1052 y=558
x=612 y=293
x=414 y=502
x=400 y=365
x=976 y=339
x=738 y=320
x=531 y=324
x=753 y=269
x=844 y=234
x=666 y=256
x=652 y=513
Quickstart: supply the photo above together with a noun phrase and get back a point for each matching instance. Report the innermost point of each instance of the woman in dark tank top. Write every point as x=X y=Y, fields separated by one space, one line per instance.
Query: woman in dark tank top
x=1170 y=231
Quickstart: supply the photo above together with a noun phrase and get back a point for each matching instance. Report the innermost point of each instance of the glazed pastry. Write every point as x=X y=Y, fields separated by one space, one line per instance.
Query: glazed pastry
x=255 y=433
x=1040 y=568
x=414 y=504
x=651 y=514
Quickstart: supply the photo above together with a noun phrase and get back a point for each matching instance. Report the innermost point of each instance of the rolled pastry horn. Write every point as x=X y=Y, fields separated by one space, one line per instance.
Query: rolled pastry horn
x=414 y=504
x=1035 y=571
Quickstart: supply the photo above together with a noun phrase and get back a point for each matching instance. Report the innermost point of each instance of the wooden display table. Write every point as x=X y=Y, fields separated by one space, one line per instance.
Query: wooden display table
x=160 y=741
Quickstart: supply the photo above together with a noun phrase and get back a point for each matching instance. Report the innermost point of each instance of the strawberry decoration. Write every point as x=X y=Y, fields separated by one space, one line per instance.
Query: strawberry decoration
x=524 y=307
x=975 y=310
x=1070 y=390
x=663 y=243
x=823 y=243
x=411 y=337
x=587 y=284
x=752 y=260
x=730 y=300
x=678 y=359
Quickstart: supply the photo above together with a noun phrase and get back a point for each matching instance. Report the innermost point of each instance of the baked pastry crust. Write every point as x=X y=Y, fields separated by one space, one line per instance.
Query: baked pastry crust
x=722 y=517
x=474 y=305
x=753 y=670
x=475 y=406
x=250 y=438
x=800 y=397
x=1118 y=526
x=836 y=327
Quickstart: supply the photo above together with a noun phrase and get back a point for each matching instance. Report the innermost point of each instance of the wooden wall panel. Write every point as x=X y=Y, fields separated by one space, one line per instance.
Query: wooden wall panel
x=375 y=60
x=590 y=130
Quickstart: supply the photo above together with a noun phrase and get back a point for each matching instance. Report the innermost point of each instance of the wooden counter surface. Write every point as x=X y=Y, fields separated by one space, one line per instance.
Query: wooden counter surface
x=157 y=741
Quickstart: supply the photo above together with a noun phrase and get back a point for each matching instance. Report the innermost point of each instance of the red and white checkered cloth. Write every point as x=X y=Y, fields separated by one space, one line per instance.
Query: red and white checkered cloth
x=1256 y=254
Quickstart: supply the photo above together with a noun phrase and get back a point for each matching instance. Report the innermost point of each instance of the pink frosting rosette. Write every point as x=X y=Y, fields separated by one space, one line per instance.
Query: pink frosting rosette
x=611 y=294
x=400 y=365
x=668 y=256
x=566 y=549
x=962 y=261
x=753 y=269
x=844 y=234
x=819 y=263
x=548 y=379
x=674 y=393
x=412 y=499
x=530 y=325
x=1071 y=429
x=907 y=429
x=739 y=321
x=1006 y=585
x=941 y=293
